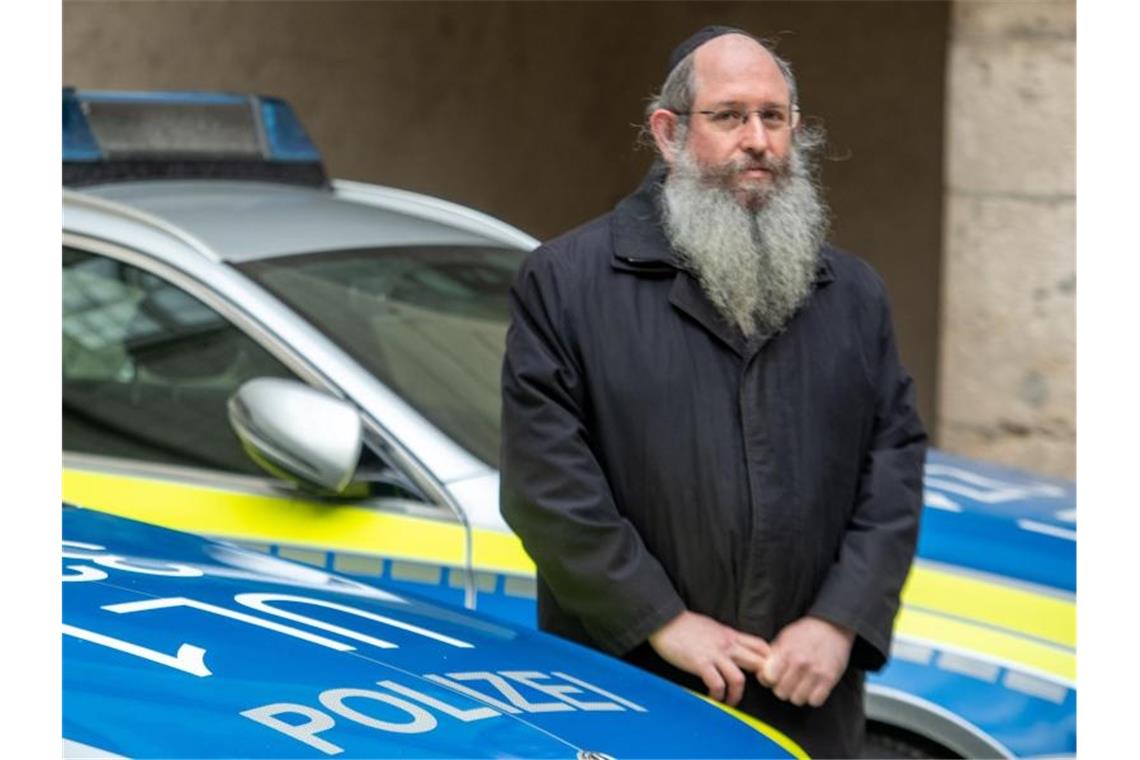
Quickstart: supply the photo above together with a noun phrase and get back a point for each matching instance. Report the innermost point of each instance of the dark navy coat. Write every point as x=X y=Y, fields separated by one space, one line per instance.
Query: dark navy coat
x=654 y=460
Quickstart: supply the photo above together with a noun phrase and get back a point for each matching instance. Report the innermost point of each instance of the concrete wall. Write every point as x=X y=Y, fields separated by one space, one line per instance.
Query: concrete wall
x=525 y=110
x=1008 y=354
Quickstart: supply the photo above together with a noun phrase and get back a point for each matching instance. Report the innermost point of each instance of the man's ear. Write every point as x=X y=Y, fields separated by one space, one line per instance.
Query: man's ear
x=663 y=125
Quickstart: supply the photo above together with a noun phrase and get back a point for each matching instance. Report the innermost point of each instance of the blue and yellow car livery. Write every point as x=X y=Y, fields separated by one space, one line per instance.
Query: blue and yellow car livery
x=984 y=660
x=175 y=646
x=987 y=633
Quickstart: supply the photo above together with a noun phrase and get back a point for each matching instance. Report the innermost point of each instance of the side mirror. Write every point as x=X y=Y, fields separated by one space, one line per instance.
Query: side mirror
x=298 y=433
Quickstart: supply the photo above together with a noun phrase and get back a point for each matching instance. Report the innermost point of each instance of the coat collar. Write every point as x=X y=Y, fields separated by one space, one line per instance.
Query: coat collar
x=639 y=240
x=640 y=246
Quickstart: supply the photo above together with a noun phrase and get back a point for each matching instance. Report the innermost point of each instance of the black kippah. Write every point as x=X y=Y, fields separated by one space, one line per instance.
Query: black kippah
x=698 y=39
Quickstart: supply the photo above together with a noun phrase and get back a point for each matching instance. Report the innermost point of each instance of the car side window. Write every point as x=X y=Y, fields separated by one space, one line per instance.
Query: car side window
x=147 y=368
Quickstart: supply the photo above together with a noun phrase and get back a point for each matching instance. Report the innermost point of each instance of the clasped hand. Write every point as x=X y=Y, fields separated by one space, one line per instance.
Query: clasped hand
x=801 y=665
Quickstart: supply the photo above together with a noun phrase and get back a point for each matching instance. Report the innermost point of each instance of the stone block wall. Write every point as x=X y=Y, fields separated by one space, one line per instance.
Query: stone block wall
x=1007 y=365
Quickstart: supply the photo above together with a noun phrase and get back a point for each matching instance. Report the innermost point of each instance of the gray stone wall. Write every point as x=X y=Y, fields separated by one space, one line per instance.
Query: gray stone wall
x=1008 y=353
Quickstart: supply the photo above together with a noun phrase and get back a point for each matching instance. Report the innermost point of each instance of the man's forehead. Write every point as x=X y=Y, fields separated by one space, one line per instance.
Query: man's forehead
x=734 y=63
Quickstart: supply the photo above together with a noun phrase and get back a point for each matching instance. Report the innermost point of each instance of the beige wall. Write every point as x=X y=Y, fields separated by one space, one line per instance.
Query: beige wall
x=525 y=109
x=1008 y=352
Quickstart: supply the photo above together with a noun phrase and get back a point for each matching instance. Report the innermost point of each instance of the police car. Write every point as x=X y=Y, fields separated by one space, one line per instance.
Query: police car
x=176 y=646
x=255 y=352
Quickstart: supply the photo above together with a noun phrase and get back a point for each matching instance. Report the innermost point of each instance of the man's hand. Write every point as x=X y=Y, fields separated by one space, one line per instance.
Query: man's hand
x=807 y=659
x=715 y=652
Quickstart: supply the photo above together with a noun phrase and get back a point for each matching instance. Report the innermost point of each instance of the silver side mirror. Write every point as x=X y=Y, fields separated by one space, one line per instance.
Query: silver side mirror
x=298 y=433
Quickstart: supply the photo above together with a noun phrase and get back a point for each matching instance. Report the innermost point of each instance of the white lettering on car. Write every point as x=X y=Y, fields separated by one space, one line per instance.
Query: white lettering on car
x=561 y=691
x=181 y=601
x=984 y=489
x=511 y=693
x=302 y=732
x=388 y=706
x=260 y=602
x=475 y=713
x=936 y=500
x=455 y=686
x=422 y=719
x=82 y=572
x=599 y=690
x=189 y=658
x=116 y=562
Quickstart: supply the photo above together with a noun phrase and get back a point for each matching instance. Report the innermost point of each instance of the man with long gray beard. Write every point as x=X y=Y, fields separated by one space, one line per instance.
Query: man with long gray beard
x=710 y=447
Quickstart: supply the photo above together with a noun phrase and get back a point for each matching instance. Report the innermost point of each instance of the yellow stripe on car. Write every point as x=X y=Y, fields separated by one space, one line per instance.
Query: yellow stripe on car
x=1007 y=649
x=292 y=520
x=943 y=609
x=776 y=736
x=500 y=553
x=1045 y=617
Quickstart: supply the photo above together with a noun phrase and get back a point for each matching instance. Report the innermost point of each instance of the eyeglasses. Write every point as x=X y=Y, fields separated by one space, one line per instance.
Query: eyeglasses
x=774 y=118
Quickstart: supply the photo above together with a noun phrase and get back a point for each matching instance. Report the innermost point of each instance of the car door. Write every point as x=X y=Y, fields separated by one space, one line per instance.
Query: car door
x=149 y=359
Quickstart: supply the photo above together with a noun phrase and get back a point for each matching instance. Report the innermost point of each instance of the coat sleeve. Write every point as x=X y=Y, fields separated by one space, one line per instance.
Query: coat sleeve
x=554 y=493
x=861 y=589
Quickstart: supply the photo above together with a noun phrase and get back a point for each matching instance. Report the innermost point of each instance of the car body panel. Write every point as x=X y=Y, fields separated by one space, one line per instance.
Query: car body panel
x=1016 y=715
x=180 y=647
x=1001 y=521
x=208 y=208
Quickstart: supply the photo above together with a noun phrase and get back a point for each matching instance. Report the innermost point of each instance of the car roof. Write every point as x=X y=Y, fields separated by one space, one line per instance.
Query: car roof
x=244 y=220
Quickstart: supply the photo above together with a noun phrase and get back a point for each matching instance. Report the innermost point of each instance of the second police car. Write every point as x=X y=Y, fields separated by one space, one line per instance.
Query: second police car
x=255 y=352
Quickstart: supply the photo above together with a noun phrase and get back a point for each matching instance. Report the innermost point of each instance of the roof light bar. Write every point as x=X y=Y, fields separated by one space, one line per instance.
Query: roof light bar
x=288 y=140
x=124 y=135
x=78 y=142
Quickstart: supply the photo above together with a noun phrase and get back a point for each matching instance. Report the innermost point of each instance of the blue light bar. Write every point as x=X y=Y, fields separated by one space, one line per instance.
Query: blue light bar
x=78 y=142
x=157 y=126
x=185 y=97
x=287 y=140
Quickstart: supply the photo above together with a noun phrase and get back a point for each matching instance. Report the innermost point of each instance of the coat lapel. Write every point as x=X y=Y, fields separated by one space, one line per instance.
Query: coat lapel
x=687 y=296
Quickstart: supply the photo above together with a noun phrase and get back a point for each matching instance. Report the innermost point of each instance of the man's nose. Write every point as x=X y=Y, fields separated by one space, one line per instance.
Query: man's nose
x=753 y=135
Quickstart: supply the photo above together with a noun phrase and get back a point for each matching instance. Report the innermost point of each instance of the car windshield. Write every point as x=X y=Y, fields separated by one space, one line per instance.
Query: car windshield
x=429 y=321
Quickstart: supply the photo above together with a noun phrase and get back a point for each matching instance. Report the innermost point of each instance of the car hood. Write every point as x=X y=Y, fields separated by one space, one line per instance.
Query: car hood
x=176 y=646
x=999 y=520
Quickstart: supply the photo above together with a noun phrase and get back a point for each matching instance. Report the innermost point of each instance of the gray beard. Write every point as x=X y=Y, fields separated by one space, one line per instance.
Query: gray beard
x=756 y=266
